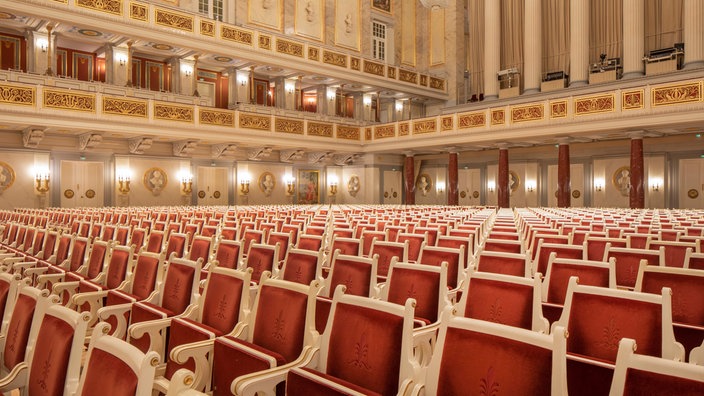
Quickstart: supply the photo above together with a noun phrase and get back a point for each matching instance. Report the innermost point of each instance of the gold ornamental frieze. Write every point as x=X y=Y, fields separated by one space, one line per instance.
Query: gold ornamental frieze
x=139 y=12
x=558 y=109
x=594 y=104
x=368 y=133
x=471 y=120
x=632 y=100
x=334 y=58
x=173 y=20
x=355 y=63
x=207 y=28
x=289 y=48
x=527 y=113
x=169 y=112
x=251 y=121
x=264 y=42
x=423 y=80
x=447 y=123
x=236 y=35
x=424 y=126
x=498 y=117
x=287 y=125
x=69 y=100
x=17 y=95
x=384 y=131
x=374 y=68
x=437 y=83
x=408 y=76
x=109 y=6
x=216 y=117
x=348 y=133
x=320 y=129
x=313 y=54
x=125 y=107
x=391 y=72
x=404 y=129
x=676 y=94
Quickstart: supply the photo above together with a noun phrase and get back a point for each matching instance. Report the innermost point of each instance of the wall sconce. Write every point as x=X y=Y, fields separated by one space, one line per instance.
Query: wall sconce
x=244 y=185
x=122 y=59
x=123 y=183
x=186 y=184
x=290 y=182
x=530 y=185
x=332 y=183
x=42 y=44
x=655 y=184
x=598 y=184
x=440 y=187
x=367 y=101
x=491 y=185
x=399 y=106
x=243 y=81
x=42 y=182
x=188 y=72
x=290 y=89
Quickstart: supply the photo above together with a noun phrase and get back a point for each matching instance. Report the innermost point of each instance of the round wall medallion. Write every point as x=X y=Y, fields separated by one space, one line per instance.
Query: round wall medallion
x=223 y=59
x=162 y=47
x=386 y=194
x=576 y=194
x=90 y=194
x=90 y=32
x=201 y=194
x=395 y=194
x=68 y=193
x=475 y=194
x=7 y=176
x=693 y=193
x=463 y=194
x=216 y=194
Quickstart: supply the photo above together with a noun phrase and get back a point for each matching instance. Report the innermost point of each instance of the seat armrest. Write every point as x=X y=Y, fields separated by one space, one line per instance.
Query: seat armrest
x=200 y=352
x=94 y=300
x=424 y=339
x=265 y=382
x=181 y=384
x=65 y=287
x=17 y=378
x=118 y=313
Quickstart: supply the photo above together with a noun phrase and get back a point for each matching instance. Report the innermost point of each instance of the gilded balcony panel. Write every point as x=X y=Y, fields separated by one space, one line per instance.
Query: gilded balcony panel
x=125 y=107
x=632 y=100
x=174 y=20
x=335 y=58
x=287 y=125
x=216 y=117
x=558 y=109
x=252 y=121
x=425 y=126
x=170 y=112
x=348 y=133
x=594 y=104
x=237 y=35
x=12 y=94
x=320 y=129
x=471 y=120
x=109 y=6
x=527 y=113
x=384 y=131
x=676 y=94
x=138 y=11
x=66 y=100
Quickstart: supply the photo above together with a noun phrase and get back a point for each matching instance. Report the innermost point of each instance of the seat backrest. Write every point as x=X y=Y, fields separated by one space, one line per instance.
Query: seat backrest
x=79 y=252
x=155 y=241
x=366 y=334
x=200 y=248
x=386 y=252
x=504 y=359
x=63 y=248
x=116 y=365
x=563 y=250
x=560 y=270
x=638 y=374
x=348 y=246
x=516 y=264
x=228 y=253
x=676 y=253
x=416 y=242
x=229 y=234
x=283 y=239
x=502 y=245
x=595 y=247
x=24 y=310
x=368 y=237
x=225 y=299
x=146 y=274
x=456 y=242
x=433 y=255
x=629 y=260
x=180 y=286
x=302 y=266
x=358 y=274
x=100 y=254
x=310 y=242
x=261 y=258
x=176 y=244
x=505 y=299
x=423 y=283
x=49 y=246
x=120 y=264
x=251 y=236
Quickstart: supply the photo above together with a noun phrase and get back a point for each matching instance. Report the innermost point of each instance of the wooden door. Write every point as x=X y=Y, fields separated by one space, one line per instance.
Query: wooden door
x=212 y=187
x=82 y=184
x=392 y=188
x=691 y=183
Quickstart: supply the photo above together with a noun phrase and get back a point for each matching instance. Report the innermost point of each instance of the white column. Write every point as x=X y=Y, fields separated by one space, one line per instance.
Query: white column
x=633 y=38
x=693 y=34
x=492 y=49
x=532 y=46
x=579 y=42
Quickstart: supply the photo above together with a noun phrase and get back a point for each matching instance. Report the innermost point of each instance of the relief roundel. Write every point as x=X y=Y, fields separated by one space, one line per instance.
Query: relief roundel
x=7 y=176
x=693 y=193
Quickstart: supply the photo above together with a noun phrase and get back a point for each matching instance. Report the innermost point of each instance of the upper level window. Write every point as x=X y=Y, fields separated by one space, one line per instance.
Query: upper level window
x=378 y=41
x=204 y=7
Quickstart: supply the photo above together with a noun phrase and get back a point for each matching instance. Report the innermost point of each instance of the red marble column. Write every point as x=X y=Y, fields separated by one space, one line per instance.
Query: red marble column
x=502 y=187
x=409 y=180
x=637 y=191
x=564 y=197
x=453 y=193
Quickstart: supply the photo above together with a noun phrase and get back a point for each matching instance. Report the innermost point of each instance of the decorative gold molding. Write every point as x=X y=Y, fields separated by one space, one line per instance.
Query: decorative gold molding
x=314 y=54
x=61 y=1
x=287 y=125
x=368 y=133
x=17 y=95
x=69 y=100
x=471 y=120
x=391 y=72
x=334 y=58
x=251 y=121
x=384 y=131
x=437 y=83
x=676 y=94
x=632 y=100
x=169 y=112
x=108 y=6
x=594 y=104
x=423 y=80
x=236 y=35
x=320 y=129
x=404 y=128
x=125 y=107
x=447 y=123
x=355 y=63
x=207 y=28
x=527 y=113
x=264 y=42
x=498 y=117
x=138 y=12
x=424 y=126
x=408 y=76
x=216 y=117
x=374 y=68
x=173 y=20
x=558 y=109
x=289 y=48
x=347 y=132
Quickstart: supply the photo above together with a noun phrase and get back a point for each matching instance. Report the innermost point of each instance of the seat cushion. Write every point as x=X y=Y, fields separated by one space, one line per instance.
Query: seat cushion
x=233 y=358
x=309 y=382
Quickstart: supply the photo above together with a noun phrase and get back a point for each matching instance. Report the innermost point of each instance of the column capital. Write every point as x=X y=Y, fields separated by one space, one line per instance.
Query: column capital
x=408 y=153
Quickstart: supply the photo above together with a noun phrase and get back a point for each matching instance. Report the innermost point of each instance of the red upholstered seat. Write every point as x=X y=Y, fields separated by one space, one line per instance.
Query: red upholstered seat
x=21 y=318
x=347 y=246
x=562 y=250
x=516 y=264
x=302 y=266
x=386 y=252
x=310 y=242
x=629 y=260
x=363 y=334
x=501 y=245
x=261 y=258
x=597 y=318
x=483 y=358
x=283 y=239
x=595 y=247
x=416 y=242
x=251 y=236
x=228 y=254
x=432 y=255
x=155 y=241
x=368 y=238
x=676 y=253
